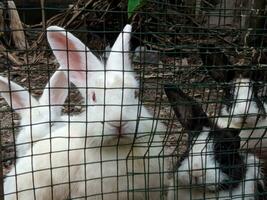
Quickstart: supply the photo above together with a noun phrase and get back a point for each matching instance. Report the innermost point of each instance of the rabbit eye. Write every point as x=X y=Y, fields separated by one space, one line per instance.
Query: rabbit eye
x=94 y=97
x=136 y=94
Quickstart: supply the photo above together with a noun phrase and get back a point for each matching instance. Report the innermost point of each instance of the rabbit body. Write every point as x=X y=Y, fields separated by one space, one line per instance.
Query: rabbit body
x=207 y=186
x=37 y=116
x=244 y=104
x=78 y=167
x=245 y=114
x=213 y=166
x=111 y=151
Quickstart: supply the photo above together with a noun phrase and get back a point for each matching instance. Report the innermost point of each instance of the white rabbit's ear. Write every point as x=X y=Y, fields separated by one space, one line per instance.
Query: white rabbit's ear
x=72 y=54
x=119 y=58
x=55 y=92
x=16 y=96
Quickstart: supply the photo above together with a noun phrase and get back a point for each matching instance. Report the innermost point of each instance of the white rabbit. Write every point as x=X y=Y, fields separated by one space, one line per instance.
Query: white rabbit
x=114 y=152
x=37 y=116
x=244 y=102
x=213 y=166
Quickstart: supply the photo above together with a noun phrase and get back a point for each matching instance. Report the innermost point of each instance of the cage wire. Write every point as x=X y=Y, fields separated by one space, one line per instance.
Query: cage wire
x=163 y=101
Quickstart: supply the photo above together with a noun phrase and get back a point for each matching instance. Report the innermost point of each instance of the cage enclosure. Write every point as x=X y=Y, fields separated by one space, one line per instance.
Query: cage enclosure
x=133 y=99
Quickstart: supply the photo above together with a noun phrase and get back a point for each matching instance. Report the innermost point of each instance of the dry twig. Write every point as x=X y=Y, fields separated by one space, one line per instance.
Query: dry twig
x=11 y=57
x=16 y=27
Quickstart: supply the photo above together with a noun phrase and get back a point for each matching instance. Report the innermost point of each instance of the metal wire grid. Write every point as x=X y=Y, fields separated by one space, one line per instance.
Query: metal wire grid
x=181 y=62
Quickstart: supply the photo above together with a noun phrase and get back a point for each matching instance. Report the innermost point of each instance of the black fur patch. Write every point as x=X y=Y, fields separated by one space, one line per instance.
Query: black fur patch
x=259 y=101
x=261 y=191
x=187 y=110
x=226 y=153
x=216 y=62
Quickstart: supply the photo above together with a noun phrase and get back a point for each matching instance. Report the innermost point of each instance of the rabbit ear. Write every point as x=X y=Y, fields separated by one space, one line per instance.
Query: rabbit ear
x=16 y=96
x=72 y=54
x=119 y=56
x=55 y=92
x=217 y=63
x=189 y=112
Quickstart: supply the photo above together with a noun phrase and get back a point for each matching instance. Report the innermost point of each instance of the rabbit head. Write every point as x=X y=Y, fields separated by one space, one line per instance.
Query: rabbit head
x=110 y=89
x=36 y=115
x=212 y=160
x=244 y=89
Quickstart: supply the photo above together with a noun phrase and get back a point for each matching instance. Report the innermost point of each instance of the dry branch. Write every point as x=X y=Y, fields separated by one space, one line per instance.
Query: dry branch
x=1 y=18
x=10 y=57
x=16 y=27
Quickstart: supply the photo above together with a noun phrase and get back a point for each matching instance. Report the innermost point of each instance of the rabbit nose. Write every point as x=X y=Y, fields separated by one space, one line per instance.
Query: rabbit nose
x=197 y=173
x=119 y=126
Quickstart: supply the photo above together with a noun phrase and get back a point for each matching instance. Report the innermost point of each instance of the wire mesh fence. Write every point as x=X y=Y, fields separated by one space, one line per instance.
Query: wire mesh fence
x=133 y=99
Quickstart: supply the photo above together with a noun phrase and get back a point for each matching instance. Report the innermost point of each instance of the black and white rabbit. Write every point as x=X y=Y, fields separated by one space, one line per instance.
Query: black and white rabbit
x=213 y=166
x=244 y=101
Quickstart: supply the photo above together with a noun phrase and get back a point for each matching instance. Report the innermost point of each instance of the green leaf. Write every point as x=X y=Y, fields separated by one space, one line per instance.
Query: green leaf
x=133 y=5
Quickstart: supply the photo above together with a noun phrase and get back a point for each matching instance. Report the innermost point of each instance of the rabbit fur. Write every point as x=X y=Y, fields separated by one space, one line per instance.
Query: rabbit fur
x=213 y=166
x=113 y=150
x=36 y=115
x=244 y=97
